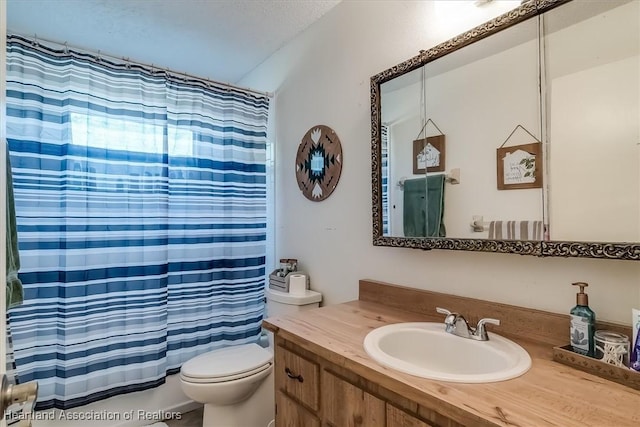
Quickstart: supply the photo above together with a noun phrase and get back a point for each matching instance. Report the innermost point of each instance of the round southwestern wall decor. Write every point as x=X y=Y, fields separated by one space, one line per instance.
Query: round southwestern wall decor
x=319 y=163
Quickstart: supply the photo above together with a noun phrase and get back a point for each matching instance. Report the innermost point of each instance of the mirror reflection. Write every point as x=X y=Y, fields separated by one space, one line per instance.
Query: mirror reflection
x=592 y=56
x=459 y=109
x=557 y=95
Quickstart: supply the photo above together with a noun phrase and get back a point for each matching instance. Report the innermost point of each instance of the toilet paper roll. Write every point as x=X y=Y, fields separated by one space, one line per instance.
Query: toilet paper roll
x=297 y=284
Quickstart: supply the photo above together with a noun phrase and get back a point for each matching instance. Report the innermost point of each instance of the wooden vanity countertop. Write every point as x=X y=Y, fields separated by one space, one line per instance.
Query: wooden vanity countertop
x=549 y=394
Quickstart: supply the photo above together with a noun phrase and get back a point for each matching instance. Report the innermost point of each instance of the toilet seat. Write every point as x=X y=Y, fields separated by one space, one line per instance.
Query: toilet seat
x=228 y=378
x=227 y=364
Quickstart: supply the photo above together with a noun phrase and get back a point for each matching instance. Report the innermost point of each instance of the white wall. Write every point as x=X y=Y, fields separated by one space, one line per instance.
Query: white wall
x=322 y=77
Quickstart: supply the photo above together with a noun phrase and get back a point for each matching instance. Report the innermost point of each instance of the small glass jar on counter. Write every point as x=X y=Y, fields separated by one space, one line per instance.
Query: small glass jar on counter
x=612 y=348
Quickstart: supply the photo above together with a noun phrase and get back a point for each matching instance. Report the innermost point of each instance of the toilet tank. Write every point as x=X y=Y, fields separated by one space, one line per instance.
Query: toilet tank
x=281 y=303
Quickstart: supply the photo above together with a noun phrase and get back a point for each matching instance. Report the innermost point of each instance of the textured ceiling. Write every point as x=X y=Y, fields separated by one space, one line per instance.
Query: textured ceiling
x=218 y=39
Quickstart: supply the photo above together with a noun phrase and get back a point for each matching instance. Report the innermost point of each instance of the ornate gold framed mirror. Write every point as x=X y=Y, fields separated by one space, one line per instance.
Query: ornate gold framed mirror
x=565 y=70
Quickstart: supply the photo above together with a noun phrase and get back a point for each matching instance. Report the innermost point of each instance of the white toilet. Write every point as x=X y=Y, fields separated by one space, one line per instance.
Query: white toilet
x=236 y=383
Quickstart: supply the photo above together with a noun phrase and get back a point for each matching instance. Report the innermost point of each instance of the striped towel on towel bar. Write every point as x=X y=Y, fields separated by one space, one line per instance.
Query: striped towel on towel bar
x=516 y=230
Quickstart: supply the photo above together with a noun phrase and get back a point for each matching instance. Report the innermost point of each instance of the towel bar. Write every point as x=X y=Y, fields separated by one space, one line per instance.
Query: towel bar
x=453 y=177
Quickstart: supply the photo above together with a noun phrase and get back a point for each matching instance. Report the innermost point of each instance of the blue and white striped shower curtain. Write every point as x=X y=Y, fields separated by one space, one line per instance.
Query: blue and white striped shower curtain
x=141 y=211
x=384 y=151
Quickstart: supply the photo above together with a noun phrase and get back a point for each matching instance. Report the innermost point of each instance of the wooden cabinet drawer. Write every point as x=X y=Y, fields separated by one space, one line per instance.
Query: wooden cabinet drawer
x=298 y=377
x=290 y=414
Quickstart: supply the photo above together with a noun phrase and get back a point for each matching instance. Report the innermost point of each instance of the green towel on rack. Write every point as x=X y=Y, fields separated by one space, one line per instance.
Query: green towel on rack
x=414 y=208
x=423 y=207
x=15 y=294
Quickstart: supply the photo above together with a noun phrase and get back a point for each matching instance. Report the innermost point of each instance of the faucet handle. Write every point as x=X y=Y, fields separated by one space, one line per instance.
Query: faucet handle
x=450 y=319
x=481 y=331
x=482 y=322
x=443 y=311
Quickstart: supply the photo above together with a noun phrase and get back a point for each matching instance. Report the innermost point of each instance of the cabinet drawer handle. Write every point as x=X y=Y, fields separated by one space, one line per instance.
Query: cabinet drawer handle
x=293 y=377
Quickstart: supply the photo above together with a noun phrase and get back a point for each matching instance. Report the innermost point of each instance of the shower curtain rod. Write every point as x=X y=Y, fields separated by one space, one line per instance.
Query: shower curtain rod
x=98 y=54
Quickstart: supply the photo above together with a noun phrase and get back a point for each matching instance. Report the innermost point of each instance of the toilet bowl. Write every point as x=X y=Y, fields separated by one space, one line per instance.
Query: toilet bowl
x=234 y=383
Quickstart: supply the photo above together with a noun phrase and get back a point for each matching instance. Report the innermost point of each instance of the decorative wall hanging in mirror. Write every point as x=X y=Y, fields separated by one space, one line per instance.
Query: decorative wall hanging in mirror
x=319 y=163
x=570 y=71
x=429 y=153
x=519 y=166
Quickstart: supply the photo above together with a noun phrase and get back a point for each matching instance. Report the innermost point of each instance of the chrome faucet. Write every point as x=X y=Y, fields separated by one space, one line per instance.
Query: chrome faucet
x=456 y=324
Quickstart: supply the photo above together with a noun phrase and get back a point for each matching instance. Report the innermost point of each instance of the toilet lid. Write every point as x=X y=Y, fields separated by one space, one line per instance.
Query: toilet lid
x=227 y=362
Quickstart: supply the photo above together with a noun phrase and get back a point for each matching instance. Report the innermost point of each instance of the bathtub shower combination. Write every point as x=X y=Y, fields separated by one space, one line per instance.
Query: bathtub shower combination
x=140 y=201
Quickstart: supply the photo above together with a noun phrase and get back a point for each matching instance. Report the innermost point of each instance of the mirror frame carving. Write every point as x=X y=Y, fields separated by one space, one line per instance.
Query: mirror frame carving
x=529 y=9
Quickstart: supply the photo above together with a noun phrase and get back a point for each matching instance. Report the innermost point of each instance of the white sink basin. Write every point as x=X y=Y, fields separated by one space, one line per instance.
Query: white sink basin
x=426 y=350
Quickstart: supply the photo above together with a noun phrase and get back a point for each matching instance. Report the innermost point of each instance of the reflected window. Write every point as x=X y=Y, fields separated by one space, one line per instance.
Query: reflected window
x=111 y=133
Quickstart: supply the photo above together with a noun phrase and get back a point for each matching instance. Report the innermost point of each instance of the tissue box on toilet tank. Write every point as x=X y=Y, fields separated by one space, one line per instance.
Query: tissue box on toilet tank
x=282 y=284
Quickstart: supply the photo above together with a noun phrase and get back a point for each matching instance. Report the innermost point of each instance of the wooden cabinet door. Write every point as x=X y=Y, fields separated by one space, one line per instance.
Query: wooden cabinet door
x=291 y=414
x=436 y=418
x=398 y=418
x=345 y=405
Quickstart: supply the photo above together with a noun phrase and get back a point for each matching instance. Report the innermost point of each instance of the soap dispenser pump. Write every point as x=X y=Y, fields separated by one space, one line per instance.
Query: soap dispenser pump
x=583 y=323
